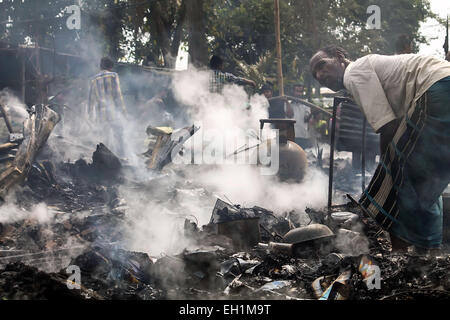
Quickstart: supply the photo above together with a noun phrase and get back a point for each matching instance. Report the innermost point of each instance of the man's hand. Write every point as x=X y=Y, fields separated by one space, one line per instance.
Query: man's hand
x=289 y=110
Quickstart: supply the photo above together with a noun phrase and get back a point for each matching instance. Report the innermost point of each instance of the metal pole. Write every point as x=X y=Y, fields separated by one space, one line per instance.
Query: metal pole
x=306 y=103
x=6 y=117
x=23 y=75
x=278 y=47
x=332 y=146
x=363 y=155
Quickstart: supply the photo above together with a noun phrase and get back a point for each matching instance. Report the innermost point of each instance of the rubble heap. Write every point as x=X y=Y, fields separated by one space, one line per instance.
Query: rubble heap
x=242 y=253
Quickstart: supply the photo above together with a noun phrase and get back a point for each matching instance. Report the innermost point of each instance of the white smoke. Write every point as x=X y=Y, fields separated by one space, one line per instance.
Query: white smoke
x=225 y=118
x=10 y=212
x=156 y=211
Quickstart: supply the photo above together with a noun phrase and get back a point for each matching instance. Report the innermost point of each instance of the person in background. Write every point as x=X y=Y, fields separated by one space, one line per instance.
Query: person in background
x=218 y=78
x=302 y=115
x=406 y=99
x=105 y=95
x=403 y=44
x=279 y=108
x=106 y=107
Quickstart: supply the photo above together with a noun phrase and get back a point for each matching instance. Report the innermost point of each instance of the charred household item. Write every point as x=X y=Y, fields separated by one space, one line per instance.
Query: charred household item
x=240 y=225
x=338 y=290
x=105 y=164
x=168 y=142
x=292 y=158
x=351 y=242
x=344 y=219
x=18 y=154
x=310 y=240
x=278 y=248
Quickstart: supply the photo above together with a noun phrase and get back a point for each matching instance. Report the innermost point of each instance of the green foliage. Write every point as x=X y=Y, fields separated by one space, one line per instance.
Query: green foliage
x=242 y=31
x=40 y=20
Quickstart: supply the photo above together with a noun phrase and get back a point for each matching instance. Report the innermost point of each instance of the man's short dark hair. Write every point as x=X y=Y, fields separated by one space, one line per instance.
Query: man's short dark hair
x=216 y=62
x=335 y=52
x=106 y=63
x=403 y=44
x=267 y=87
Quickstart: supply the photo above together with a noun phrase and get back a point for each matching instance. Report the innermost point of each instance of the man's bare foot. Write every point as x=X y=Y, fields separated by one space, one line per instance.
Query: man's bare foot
x=427 y=252
x=398 y=245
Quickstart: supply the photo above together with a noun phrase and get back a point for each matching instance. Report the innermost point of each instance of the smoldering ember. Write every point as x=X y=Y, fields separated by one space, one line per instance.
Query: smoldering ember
x=224 y=150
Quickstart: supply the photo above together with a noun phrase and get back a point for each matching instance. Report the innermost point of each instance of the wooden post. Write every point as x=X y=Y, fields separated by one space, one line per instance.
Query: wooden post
x=363 y=156
x=446 y=42
x=278 y=46
x=23 y=70
x=39 y=82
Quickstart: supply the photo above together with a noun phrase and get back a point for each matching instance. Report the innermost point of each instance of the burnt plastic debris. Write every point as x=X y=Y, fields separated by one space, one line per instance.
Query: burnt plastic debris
x=344 y=219
x=115 y=265
x=21 y=282
x=351 y=242
x=340 y=289
x=234 y=267
x=275 y=285
x=225 y=212
x=199 y=269
x=247 y=226
x=240 y=225
x=117 y=274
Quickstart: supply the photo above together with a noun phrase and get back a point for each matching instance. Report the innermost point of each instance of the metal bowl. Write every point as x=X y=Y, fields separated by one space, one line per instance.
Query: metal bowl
x=308 y=233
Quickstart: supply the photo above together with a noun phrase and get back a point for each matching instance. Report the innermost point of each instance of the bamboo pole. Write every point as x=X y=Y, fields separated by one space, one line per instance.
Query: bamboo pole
x=23 y=70
x=446 y=43
x=278 y=47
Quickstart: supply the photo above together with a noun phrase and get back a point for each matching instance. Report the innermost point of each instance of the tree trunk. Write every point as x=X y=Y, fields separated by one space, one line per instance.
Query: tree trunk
x=178 y=30
x=198 y=45
x=159 y=32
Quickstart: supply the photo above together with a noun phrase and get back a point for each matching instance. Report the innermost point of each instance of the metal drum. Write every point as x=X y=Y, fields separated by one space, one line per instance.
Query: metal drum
x=292 y=158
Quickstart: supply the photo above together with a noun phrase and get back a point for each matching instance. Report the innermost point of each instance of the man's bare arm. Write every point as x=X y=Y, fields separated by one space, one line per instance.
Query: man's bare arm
x=387 y=133
x=289 y=110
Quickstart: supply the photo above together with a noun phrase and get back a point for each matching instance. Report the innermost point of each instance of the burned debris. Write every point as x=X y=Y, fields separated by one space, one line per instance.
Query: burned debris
x=123 y=177
x=241 y=253
x=335 y=253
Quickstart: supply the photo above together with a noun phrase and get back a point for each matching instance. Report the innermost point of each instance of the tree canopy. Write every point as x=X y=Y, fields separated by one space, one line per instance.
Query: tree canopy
x=242 y=31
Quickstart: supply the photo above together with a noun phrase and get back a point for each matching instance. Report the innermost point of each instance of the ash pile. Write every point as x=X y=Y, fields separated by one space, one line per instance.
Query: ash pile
x=75 y=245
